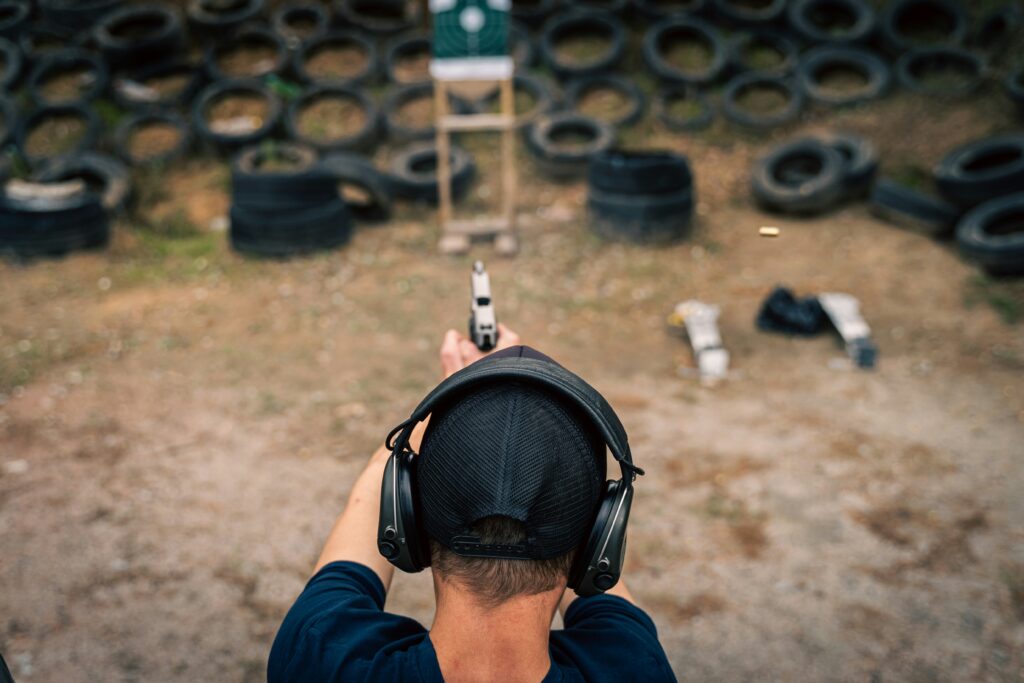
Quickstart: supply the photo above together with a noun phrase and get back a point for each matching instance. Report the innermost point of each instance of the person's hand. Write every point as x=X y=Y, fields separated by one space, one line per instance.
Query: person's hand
x=457 y=351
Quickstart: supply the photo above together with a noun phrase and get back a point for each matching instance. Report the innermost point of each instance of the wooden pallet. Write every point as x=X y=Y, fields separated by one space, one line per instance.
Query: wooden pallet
x=457 y=235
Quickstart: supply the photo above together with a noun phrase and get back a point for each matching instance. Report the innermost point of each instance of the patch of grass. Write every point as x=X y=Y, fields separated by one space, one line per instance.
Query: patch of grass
x=1005 y=297
x=1013 y=579
x=109 y=112
x=912 y=176
x=270 y=404
x=177 y=225
x=23 y=360
x=19 y=167
x=150 y=187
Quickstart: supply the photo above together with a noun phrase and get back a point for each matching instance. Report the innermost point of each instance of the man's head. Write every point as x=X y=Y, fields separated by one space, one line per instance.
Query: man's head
x=508 y=464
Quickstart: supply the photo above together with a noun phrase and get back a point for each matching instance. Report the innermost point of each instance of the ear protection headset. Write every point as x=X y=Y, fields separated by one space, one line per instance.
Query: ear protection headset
x=401 y=536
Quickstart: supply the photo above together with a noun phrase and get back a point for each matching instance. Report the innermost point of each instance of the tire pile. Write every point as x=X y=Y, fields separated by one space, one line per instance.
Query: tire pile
x=980 y=187
x=221 y=77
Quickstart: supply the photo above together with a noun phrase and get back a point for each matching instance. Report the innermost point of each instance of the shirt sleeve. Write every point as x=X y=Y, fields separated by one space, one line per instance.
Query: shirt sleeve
x=338 y=625
x=607 y=638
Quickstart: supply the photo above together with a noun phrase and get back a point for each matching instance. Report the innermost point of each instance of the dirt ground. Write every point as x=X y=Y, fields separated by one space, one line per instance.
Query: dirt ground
x=180 y=426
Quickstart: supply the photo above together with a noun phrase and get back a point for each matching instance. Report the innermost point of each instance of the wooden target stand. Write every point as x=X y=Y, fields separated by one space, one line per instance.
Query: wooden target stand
x=474 y=78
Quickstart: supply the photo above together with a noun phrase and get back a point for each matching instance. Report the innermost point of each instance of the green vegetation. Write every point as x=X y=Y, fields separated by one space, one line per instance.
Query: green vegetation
x=1005 y=297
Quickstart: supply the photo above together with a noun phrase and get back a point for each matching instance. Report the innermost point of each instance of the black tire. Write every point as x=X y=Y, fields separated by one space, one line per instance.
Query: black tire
x=1014 y=85
x=641 y=219
x=310 y=48
x=543 y=93
x=353 y=170
x=379 y=17
x=402 y=47
x=664 y=32
x=639 y=173
x=217 y=20
x=821 y=60
x=815 y=21
x=8 y=122
x=740 y=14
x=805 y=176
x=576 y=90
x=656 y=10
x=992 y=235
x=229 y=140
x=161 y=36
x=606 y=6
x=699 y=120
x=317 y=228
x=71 y=18
x=786 y=49
x=521 y=47
x=288 y=16
x=860 y=161
x=133 y=123
x=12 y=63
x=572 y=23
x=996 y=31
x=982 y=170
x=739 y=85
x=363 y=139
x=62 y=61
x=248 y=36
x=14 y=18
x=563 y=163
x=413 y=173
x=302 y=185
x=533 y=13
x=31 y=230
x=105 y=176
x=907 y=207
x=911 y=68
x=899 y=15
x=131 y=91
x=401 y=95
x=41 y=40
x=93 y=128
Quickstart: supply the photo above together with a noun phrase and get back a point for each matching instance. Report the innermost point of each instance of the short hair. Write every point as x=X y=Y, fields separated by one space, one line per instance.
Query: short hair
x=493 y=581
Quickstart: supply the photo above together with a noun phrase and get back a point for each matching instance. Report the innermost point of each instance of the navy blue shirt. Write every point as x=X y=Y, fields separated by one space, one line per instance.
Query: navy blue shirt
x=338 y=631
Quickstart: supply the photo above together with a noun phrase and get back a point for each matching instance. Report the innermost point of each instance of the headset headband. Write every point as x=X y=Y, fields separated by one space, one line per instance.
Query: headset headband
x=539 y=372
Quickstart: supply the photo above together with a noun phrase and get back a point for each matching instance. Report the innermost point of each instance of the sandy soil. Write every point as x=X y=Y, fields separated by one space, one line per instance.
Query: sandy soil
x=248 y=59
x=332 y=118
x=55 y=135
x=180 y=426
x=153 y=140
x=339 y=60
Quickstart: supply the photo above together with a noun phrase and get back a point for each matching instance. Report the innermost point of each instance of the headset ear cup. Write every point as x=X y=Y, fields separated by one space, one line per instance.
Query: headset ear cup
x=408 y=507
x=586 y=568
x=399 y=536
x=419 y=545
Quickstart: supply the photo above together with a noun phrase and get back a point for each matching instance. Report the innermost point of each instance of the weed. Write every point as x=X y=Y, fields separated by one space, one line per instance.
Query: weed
x=1005 y=297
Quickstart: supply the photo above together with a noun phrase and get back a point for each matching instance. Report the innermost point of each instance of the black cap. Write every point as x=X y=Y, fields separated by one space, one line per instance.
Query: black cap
x=516 y=450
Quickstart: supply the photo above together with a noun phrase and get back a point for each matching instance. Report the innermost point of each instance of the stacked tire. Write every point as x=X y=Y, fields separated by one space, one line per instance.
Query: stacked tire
x=640 y=197
x=285 y=212
x=47 y=226
x=985 y=179
x=814 y=174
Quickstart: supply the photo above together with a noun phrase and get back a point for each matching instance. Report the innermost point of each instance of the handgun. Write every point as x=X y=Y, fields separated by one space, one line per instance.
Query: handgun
x=483 y=323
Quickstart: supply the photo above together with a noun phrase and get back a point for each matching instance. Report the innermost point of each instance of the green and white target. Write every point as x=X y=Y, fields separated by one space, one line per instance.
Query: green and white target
x=470 y=30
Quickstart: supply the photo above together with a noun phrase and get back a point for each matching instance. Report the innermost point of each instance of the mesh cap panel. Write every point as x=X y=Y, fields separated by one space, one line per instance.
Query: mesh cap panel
x=514 y=450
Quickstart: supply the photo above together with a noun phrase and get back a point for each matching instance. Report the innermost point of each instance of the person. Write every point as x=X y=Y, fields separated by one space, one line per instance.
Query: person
x=510 y=463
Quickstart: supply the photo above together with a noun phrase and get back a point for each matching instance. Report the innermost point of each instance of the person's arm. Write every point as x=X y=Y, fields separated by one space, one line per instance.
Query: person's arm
x=354 y=536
